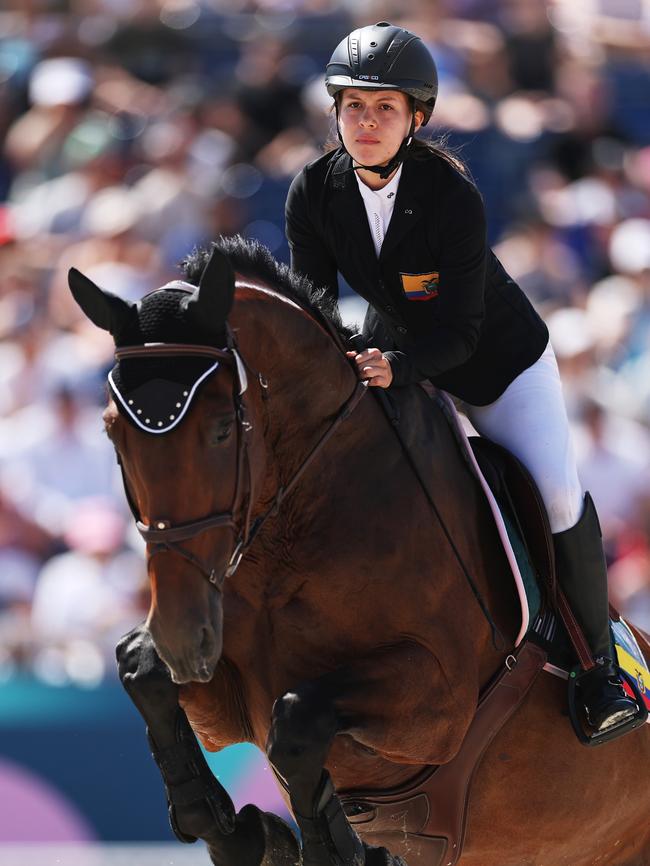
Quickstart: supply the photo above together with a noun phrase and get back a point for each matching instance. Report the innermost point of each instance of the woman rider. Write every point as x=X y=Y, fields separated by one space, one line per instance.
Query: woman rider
x=405 y=225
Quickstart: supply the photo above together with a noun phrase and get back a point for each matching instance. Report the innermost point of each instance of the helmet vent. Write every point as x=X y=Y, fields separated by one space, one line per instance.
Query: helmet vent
x=371 y=57
x=354 y=50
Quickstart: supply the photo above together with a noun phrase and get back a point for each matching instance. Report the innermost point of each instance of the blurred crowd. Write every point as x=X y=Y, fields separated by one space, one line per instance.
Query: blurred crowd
x=131 y=130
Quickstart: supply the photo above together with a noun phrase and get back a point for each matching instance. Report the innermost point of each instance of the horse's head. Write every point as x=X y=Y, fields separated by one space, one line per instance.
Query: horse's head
x=190 y=464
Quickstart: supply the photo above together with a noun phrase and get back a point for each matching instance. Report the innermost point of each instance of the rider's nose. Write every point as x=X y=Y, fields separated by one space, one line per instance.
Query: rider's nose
x=367 y=119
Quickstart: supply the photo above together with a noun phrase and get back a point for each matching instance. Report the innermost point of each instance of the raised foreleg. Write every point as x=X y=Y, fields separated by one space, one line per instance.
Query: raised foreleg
x=394 y=706
x=199 y=807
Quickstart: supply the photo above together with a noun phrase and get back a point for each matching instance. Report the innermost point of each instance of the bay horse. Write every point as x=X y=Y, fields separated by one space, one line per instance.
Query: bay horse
x=305 y=598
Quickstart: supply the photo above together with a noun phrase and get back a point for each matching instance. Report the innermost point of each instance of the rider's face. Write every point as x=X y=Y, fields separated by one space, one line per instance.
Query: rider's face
x=373 y=123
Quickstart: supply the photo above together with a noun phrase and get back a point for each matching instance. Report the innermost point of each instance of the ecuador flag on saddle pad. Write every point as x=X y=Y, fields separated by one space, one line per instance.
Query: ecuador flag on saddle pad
x=631 y=659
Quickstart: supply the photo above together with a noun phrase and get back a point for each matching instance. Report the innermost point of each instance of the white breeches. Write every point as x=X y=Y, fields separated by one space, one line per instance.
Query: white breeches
x=530 y=420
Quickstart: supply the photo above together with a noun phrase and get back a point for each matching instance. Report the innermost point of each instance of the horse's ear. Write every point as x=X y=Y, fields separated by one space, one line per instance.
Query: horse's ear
x=210 y=305
x=105 y=309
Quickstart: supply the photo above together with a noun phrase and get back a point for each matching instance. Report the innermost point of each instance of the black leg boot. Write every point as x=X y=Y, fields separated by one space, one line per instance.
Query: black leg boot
x=582 y=574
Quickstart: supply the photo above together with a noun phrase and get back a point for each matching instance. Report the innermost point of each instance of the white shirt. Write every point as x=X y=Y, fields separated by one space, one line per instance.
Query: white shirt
x=379 y=207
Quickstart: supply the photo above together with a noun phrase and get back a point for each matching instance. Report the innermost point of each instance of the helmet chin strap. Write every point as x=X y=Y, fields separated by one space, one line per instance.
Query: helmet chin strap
x=384 y=171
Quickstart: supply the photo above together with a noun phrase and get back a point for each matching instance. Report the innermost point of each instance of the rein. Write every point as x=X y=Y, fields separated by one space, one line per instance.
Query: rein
x=162 y=535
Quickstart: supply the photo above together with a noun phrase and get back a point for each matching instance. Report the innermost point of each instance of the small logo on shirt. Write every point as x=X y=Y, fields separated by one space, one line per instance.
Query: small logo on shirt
x=390 y=195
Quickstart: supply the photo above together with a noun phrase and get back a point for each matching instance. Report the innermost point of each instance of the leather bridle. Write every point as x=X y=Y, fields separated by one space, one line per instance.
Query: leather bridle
x=162 y=536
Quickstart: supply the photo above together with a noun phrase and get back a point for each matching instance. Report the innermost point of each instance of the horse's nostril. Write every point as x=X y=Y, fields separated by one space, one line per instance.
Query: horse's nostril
x=206 y=647
x=207 y=655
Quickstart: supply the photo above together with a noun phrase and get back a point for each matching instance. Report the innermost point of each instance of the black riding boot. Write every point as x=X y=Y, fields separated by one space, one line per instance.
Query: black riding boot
x=582 y=574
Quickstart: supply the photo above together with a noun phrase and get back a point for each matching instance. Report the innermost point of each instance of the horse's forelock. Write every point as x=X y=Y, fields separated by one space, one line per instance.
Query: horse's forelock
x=193 y=265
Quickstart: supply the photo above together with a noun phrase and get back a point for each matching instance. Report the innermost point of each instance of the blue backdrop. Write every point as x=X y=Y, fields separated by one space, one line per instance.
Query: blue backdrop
x=75 y=765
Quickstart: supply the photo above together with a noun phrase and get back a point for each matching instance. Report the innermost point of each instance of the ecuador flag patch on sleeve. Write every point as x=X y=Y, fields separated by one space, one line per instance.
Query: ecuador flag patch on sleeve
x=420 y=287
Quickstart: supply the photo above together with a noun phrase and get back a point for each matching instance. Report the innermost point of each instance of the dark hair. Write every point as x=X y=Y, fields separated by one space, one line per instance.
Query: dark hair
x=421 y=148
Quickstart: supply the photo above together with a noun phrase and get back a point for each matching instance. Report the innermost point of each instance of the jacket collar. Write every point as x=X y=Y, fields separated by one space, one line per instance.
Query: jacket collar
x=347 y=204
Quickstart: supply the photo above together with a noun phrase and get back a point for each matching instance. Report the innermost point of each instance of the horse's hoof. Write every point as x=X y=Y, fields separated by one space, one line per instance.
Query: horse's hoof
x=379 y=856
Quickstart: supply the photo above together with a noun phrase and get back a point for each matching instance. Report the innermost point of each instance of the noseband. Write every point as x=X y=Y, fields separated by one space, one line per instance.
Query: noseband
x=162 y=536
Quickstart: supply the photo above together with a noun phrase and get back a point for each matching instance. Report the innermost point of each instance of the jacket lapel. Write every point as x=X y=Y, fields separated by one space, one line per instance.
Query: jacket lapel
x=349 y=210
x=408 y=210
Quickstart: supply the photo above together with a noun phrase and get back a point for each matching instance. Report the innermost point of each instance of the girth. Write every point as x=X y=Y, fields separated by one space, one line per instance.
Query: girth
x=427 y=816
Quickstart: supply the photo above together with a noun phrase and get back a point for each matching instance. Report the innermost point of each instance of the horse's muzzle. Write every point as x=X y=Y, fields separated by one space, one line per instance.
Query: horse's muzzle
x=192 y=664
x=202 y=675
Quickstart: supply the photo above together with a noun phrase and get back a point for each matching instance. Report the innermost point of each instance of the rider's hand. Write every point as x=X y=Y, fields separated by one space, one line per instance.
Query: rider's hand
x=372 y=365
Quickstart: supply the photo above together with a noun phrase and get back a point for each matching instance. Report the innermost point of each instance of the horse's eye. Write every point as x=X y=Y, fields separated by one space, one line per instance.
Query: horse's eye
x=222 y=431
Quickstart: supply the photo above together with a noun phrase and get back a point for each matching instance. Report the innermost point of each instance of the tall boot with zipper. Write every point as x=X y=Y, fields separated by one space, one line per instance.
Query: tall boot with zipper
x=582 y=574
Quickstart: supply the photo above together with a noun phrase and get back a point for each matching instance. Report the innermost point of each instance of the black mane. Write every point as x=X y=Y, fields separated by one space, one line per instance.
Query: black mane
x=252 y=259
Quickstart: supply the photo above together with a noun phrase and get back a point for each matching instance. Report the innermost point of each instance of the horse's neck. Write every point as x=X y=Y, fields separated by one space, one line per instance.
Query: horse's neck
x=308 y=379
x=309 y=382
x=360 y=502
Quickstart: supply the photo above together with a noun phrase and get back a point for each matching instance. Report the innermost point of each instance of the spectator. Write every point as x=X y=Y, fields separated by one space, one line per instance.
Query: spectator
x=87 y=597
x=126 y=137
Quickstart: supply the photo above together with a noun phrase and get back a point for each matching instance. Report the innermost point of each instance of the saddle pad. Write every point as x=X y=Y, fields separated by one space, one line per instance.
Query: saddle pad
x=461 y=436
x=631 y=659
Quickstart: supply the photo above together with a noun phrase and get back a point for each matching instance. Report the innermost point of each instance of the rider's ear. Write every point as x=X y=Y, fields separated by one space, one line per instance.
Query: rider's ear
x=210 y=305
x=106 y=310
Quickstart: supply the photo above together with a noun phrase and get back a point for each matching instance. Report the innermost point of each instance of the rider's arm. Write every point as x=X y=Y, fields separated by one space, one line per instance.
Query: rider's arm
x=309 y=253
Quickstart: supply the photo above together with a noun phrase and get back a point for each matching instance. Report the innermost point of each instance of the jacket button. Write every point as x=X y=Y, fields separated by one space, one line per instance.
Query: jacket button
x=390 y=310
x=401 y=329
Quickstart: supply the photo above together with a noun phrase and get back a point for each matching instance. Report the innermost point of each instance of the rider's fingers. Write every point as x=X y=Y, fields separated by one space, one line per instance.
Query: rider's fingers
x=368 y=355
x=370 y=370
x=376 y=361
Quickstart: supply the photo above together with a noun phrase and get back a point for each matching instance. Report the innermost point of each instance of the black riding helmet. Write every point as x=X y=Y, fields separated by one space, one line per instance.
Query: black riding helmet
x=385 y=57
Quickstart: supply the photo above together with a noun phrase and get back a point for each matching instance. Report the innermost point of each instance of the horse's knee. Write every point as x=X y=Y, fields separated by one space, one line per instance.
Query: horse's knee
x=303 y=725
x=142 y=672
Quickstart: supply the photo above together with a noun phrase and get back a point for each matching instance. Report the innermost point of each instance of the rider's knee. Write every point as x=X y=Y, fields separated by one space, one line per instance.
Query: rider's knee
x=564 y=508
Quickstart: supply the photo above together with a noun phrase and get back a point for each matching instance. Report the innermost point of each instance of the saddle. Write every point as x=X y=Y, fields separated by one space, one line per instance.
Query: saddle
x=521 y=506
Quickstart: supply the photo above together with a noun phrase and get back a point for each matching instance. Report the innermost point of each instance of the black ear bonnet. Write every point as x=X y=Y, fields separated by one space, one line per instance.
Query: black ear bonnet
x=154 y=393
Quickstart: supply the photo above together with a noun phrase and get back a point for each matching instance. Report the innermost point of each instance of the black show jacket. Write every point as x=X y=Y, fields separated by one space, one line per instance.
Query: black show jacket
x=440 y=303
